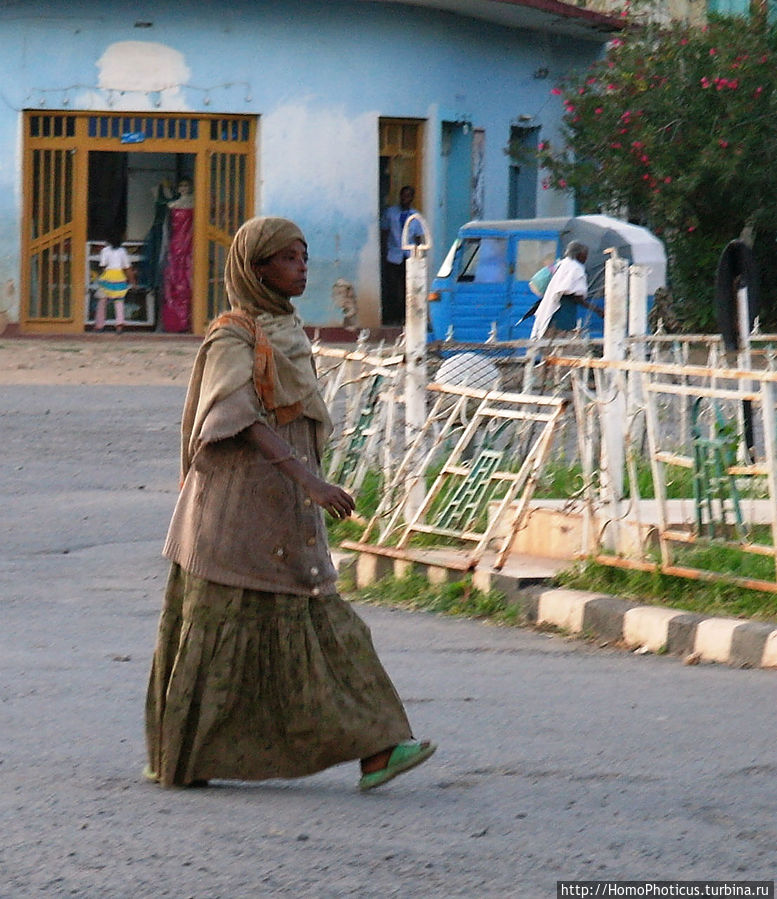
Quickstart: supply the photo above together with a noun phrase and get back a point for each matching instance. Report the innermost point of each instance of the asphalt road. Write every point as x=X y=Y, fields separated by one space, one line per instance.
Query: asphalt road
x=557 y=759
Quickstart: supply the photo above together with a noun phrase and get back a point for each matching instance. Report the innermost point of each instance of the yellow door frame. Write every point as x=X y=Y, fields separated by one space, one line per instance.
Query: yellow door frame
x=209 y=138
x=402 y=140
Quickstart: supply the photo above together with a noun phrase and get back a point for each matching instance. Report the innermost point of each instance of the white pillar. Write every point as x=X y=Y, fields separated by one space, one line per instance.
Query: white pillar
x=416 y=299
x=614 y=410
x=638 y=327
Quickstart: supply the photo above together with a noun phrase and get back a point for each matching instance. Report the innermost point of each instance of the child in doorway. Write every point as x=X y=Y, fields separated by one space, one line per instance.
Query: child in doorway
x=113 y=283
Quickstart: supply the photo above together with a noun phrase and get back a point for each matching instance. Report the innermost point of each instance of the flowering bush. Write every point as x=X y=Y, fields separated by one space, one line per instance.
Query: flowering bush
x=679 y=128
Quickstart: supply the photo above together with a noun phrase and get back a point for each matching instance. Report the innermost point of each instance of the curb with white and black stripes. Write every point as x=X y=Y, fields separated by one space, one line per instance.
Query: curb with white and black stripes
x=698 y=638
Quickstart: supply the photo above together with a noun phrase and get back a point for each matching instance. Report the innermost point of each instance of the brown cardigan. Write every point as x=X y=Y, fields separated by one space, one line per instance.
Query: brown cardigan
x=241 y=522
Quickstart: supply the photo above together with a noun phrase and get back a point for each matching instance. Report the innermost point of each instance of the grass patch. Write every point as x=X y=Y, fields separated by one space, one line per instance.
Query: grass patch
x=655 y=588
x=560 y=480
x=458 y=598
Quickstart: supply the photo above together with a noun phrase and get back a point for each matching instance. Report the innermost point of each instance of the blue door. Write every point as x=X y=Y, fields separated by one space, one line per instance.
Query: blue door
x=481 y=292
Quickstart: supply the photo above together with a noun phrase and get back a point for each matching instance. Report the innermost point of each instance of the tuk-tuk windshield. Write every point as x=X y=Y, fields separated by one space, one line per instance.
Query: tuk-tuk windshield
x=447 y=264
x=483 y=260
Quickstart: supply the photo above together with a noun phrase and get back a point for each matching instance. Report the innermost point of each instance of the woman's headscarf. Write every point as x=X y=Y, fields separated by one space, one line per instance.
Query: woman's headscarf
x=278 y=357
x=257 y=240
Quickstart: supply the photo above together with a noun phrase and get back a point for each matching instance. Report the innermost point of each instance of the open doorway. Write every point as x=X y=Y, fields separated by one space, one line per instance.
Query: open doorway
x=84 y=170
x=146 y=202
x=400 y=166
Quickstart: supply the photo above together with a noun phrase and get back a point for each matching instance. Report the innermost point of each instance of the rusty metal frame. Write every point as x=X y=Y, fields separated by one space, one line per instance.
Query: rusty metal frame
x=757 y=387
x=492 y=405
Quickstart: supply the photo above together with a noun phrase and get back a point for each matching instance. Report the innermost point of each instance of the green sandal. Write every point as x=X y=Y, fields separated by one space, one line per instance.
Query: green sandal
x=404 y=756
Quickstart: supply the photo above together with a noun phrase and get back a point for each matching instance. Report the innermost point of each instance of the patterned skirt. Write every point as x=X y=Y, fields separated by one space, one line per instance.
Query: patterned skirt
x=113 y=284
x=248 y=685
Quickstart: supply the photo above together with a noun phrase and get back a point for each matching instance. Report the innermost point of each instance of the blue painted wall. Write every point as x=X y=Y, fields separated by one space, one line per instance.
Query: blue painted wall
x=319 y=75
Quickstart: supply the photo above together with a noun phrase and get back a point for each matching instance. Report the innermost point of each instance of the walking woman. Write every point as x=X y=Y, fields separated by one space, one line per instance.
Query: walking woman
x=261 y=670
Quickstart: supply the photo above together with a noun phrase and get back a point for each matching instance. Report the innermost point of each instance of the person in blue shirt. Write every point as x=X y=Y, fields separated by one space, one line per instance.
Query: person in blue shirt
x=392 y=223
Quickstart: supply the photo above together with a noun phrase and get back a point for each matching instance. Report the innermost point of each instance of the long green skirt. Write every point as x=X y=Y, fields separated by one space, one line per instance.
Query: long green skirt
x=248 y=685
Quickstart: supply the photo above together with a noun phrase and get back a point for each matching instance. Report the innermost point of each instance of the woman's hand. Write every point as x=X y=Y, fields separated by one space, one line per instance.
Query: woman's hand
x=330 y=497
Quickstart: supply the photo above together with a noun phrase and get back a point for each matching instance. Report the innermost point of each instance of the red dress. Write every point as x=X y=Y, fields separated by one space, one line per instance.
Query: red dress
x=177 y=302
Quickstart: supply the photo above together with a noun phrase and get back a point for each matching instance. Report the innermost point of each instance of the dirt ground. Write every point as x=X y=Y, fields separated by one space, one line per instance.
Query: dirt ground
x=97 y=359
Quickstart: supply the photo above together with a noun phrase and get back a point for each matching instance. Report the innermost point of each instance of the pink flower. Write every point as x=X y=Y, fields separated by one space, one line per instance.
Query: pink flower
x=691 y=227
x=617 y=145
x=683 y=41
x=705 y=82
x=667 y=180
x=562 y=183
x=598 y=110
x=545 y=184
x=556 y=91
x=723 y=143
x=542 y=145
x=757 y=91
x=713 y=51
x=644 y=158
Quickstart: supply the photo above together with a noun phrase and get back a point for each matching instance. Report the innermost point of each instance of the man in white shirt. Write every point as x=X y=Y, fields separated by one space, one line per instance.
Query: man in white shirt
x=392 y=223
x=567 y=289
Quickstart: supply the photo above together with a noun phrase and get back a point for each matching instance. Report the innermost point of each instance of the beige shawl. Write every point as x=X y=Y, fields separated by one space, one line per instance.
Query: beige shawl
x=260 y=341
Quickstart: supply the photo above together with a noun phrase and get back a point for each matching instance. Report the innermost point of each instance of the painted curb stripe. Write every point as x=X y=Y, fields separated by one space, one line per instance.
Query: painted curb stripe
x=681 y=633
x=769 y=656
x=714 y=636
x=748 y=644
x=563 y=608
x=648 y=626
x=604 y=617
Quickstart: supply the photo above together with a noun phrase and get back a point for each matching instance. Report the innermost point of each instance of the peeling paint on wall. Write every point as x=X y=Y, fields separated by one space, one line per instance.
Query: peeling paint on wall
x=141 y=75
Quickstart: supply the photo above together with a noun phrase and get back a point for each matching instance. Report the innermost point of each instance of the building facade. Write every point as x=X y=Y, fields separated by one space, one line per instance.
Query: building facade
x=318 y=111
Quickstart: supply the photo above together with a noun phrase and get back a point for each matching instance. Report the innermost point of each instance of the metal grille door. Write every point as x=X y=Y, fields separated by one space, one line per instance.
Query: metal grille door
x=56 y=182
x=52 y=254
x=230 y=173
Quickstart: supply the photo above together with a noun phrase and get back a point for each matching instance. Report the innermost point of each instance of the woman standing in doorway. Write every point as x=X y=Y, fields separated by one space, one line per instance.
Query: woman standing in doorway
x=177 y=294
x=261 y=670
